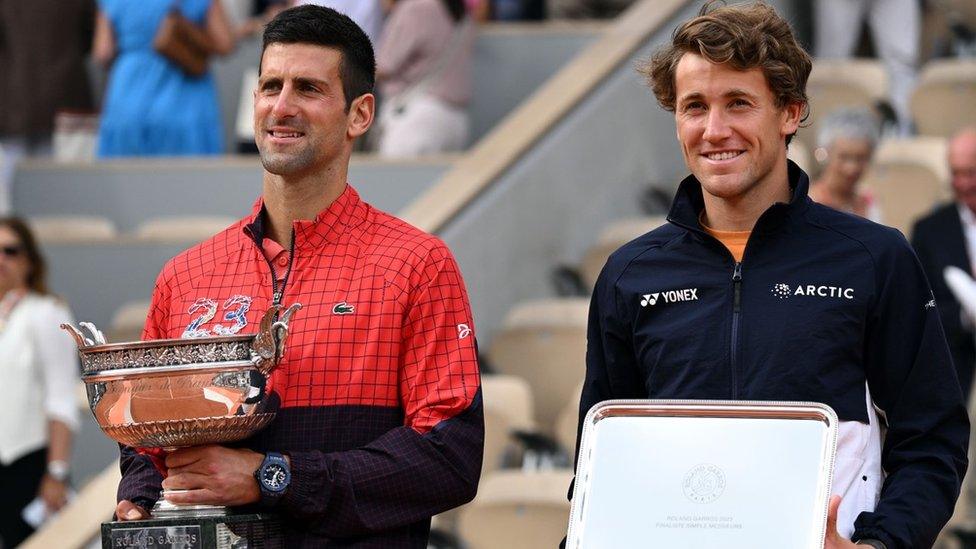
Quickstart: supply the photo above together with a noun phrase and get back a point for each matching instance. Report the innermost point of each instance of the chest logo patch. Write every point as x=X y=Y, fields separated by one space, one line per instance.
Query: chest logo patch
x=785 y=291
x=234 y=310
x=206 y=308
x=782 y=291
x=343 y=308
x=670 y=296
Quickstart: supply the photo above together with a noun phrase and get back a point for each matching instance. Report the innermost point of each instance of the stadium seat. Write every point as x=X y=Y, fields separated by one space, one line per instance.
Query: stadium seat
x=127 y=322
x=612 y=237
x=518 y=510
x=568 y=421
x=945 y=99
x=508 y=407
x=836 y=83
x=907 y=178
x=544 y=342
x=70 y=229
x=182 y=228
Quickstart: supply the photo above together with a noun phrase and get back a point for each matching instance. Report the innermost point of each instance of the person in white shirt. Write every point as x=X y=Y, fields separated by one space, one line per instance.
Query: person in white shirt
x=423 y=70
x=39 y=369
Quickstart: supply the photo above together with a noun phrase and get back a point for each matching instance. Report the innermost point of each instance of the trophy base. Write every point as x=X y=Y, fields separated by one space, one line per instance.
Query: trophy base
x=165 y=509
x=245 y=531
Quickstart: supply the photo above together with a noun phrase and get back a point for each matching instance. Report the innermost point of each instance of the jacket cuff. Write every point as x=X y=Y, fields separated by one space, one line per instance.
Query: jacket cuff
x=141 y=486
x=306 y=487
x=874 y=537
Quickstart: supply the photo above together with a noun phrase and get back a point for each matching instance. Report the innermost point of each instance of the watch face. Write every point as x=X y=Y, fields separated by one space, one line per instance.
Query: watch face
x=274 y=477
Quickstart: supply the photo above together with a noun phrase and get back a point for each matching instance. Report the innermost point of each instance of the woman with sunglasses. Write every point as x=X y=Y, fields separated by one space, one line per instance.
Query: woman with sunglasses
x=38 y=374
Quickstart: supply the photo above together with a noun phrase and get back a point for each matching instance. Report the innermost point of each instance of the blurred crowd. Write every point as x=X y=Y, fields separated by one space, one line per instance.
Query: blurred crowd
x=151 y=105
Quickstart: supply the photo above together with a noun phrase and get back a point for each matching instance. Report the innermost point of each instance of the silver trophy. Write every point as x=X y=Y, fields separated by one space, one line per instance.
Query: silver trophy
x=173 y=393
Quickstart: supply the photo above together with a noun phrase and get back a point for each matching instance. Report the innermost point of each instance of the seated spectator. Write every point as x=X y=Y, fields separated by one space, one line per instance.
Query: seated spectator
x=845 y=145
x=39 y=410
x=423 y=68
x=152 y=106
x=42 y=60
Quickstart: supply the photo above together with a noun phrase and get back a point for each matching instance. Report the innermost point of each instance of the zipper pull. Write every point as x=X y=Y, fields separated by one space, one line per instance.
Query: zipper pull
x=277 y=297
x=737 y=287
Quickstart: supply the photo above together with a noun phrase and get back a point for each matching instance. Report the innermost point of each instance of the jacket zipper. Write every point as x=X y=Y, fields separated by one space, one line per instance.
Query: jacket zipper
x=276 y=293
x=736 y=312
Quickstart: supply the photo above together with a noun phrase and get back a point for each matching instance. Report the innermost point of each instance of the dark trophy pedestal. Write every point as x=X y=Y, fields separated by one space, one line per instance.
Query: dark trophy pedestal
x=245 y=531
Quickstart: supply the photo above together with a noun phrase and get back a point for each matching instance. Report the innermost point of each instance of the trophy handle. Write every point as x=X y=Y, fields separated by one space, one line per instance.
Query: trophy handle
x=78 y=336
x=269 y=344
x=280 y=330
x=97 y=334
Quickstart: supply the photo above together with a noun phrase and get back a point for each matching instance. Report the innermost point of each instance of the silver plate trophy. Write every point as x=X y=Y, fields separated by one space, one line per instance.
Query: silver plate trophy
x=703 y=475
x=172 y=393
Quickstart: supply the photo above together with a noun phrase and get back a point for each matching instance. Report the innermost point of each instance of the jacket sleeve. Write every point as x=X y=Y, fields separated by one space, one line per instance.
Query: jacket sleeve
x=913 y=382
x=611 y=367
x=430 y=464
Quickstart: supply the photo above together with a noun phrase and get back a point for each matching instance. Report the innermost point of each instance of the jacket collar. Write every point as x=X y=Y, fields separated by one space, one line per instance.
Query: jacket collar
x=688 y=203
x=347 y=211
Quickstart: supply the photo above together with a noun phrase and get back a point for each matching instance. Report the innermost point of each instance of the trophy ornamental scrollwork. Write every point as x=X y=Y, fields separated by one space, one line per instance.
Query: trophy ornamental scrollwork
x=173 y=393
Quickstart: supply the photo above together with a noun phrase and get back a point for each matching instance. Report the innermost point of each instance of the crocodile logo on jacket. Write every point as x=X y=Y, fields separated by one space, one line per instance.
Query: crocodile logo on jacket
x=343 y=308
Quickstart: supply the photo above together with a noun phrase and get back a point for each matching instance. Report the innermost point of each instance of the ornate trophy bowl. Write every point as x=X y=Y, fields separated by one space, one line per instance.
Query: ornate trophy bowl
x=171 y=393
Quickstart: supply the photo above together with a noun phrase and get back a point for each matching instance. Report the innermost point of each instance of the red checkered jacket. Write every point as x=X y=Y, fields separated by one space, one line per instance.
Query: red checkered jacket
x=380 y=392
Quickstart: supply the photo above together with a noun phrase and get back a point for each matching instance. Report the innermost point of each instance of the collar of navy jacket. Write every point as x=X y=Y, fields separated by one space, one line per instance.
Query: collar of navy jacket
x=688 y=203
x=821 y=302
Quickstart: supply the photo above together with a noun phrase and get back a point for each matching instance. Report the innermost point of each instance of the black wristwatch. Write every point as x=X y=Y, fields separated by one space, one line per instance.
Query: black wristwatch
x=273 y=477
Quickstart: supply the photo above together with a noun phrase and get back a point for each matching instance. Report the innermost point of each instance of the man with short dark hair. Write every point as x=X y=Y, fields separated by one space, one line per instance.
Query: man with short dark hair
x=380 y=425
x=793 y=301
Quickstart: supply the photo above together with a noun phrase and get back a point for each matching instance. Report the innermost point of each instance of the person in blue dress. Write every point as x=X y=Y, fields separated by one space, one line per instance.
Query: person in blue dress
x=152 y=107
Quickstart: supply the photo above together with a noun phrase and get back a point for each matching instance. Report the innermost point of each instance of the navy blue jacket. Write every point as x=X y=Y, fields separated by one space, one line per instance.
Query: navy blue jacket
x=821 y=301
